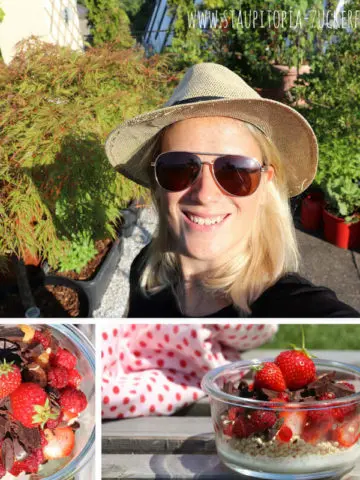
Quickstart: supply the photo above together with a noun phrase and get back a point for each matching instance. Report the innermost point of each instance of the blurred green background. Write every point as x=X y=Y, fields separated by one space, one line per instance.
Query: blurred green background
x=327 y=337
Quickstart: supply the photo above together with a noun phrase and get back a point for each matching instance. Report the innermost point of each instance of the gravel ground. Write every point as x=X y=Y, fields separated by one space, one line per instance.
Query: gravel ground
x=115 y=300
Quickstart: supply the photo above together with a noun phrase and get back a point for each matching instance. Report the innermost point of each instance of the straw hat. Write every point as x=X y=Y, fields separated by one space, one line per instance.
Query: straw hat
x=209 y=89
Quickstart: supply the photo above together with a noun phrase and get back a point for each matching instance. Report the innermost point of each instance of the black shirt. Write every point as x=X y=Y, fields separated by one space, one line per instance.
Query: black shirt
x=291 y=296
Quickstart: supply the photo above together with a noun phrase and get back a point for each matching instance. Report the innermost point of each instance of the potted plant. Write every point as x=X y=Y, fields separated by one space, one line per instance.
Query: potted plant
x=60 y=198
x=341 y=213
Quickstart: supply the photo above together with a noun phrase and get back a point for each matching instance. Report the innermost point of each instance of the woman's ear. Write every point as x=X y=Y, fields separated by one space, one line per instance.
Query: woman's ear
x=270 y=173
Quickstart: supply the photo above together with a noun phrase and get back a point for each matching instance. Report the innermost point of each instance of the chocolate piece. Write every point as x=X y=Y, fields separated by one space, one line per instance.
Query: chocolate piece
x=34 y=373
x=19 y=451
x=7 y=453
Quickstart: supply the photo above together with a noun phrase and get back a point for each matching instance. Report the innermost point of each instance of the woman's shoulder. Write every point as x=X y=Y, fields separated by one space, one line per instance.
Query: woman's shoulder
x=294 y=296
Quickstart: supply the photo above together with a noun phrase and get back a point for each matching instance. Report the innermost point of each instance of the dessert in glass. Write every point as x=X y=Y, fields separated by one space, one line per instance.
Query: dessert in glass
x=47 y=401
x=277 y=423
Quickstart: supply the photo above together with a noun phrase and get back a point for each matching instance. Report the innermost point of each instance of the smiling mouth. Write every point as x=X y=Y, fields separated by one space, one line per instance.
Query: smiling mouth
x=211 y=220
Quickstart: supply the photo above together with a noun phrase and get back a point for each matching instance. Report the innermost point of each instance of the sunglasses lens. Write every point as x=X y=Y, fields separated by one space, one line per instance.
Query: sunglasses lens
x=237 y=175
x=176 y=171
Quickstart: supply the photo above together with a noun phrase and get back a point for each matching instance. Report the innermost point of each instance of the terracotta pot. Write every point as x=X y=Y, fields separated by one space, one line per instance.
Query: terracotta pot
x=339 y=233
x=290 y=75
x=311 y=211
x=30 y=259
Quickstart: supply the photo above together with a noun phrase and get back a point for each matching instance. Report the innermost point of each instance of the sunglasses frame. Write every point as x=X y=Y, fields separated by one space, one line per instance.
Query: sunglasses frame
x=262 y=168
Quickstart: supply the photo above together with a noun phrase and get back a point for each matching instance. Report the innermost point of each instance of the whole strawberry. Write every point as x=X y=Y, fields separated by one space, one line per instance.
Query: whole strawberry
x=297 y=368
x=269 y=375
x=30 y=405
x=10 y=378
x=72 y=400
x=63 y=358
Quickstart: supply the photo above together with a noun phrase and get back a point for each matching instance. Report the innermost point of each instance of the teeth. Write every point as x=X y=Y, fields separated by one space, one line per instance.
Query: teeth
x=206 y=221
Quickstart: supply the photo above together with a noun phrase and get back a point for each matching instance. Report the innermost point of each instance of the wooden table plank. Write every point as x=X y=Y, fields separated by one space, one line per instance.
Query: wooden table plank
x=159 y=435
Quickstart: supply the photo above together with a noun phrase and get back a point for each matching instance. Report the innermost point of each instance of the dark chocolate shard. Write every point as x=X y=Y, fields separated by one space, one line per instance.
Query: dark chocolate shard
x=7 y=453
x=35 y=374
x=19 y=451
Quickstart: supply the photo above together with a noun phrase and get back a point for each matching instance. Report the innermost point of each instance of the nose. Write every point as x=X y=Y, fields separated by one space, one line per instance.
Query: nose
x=205 y=189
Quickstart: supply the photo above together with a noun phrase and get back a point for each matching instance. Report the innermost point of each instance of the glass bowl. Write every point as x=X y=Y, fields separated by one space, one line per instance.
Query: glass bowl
x=76 y=342
x=323 y=440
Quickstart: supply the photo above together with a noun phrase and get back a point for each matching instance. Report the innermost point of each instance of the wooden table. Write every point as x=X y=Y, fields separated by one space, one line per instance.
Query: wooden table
x=180 y=446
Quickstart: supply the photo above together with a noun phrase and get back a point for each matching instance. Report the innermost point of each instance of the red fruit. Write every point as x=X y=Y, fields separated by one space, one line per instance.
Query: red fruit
x=75 y=378
x=234 y=412
x=295 y=420
x=297 y=368
x=348 y=433
x=348 y=384
x=30 y=405
x=58 y=377
x=2 y=470
x=29 y=465
x=228 y=429
x=64 y=358
x=72 y=400
x=270 y=376
x=54 y=422
x=60 y=444
x=261 y=420
x=340 y=413
x=317 y=430
x=284 y=434
x=10 y=378
x=43 y=338
x=240 y=428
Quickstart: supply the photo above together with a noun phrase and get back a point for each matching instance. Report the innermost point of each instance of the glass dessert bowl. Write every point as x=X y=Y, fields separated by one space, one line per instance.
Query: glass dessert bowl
x=62 y=370
x=308 y=433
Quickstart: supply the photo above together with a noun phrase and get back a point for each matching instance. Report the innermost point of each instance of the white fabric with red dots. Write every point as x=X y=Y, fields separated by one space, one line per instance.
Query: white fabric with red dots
x=157 y=369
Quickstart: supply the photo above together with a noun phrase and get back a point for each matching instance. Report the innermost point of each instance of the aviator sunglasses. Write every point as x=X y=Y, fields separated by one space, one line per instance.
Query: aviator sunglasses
x=236 y=175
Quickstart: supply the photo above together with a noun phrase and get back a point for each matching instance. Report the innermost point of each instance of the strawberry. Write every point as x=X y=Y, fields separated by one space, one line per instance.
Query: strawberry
x=234 y=412
x=269 y=375
x=75 y=378
x=58 y=377
x=240 y=428
x=228 y=429
x=340 y=413
x=348 y=433
x=284 y=434
x=72 y=400
x=52 y=423
x=29 y=465
x=294 y=420
x=60 y=444
x=348 y=384
x=261 y=420
x=297 y=368
x=42 y=337
x=317 y=430
x=10 y=378
x=2 y=469
x=30 y=405
x=63 y=358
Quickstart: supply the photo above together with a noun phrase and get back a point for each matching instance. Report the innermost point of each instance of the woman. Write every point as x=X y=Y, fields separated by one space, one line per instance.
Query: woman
x=221 y=163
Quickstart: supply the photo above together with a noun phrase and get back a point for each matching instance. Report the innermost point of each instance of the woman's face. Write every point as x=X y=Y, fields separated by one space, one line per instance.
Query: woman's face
x=204 y=198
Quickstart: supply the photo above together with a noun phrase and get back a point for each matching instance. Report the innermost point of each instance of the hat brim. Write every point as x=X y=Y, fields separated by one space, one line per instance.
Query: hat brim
x=130 y=146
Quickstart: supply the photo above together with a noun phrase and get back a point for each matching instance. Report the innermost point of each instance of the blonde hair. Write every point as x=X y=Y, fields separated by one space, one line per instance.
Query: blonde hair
x=268 y=251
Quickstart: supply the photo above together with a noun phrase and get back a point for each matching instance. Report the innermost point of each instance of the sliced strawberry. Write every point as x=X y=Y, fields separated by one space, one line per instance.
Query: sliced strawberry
x=60 y=444
x=348 y=433
x=318 y=430
x=284 y=434
x=295 y=420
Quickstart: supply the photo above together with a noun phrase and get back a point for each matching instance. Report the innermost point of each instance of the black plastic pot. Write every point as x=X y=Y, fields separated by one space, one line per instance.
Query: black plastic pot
x=130 y=217
x=39 y=281
x=96 y=287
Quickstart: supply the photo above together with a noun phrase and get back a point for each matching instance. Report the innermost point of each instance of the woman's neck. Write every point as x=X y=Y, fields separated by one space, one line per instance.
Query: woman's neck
x=194 y=299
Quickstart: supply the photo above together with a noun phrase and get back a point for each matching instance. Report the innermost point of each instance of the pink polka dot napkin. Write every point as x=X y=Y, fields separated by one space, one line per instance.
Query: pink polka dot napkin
x=157 y=369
